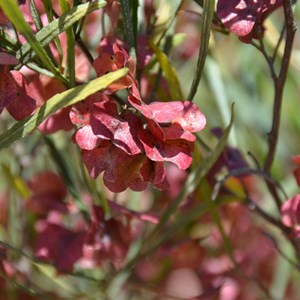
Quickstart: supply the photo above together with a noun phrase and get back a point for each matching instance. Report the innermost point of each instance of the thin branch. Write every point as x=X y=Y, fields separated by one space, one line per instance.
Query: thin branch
x=269 y=60
x=251 y=204
x=243 y=172
x=42 y=262
x=28 y=290
x=254 y=207
x=279 y=42
x=206 y=22
x=85 y=50
x=274 y=242
x=254 y=159
x=279 y=84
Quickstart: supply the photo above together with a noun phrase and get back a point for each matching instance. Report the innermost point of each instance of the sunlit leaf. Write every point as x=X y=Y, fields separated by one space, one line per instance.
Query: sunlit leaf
x=15 y=182
x=70 y=46
x=205 y=25
x=13 y=12
x=169 y=72
x=49 y=32
x=129 y=11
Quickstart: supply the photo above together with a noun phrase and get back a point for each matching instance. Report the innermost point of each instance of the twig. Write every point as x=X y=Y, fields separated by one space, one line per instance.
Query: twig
x=243 y=172
x=206 y=21
x=42 y=262
x=279 y=84
x=274 y=242
x=253 y=206
x=269 y=60
x=83 y=47
x=254 y=159
x=278 y=42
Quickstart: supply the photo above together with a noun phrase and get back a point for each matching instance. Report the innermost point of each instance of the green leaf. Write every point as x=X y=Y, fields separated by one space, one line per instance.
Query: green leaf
x=15 y=182
x=70 y=46
x=130 y=31
x=35 y=15
x=39 y=25
x=219 y=91
x=206 y=20
x=8 y=43
x=170 y=73
x=14 y=14
x=213 y=210
x=134 y=5
x=48 y=7
x=23 y=128
x=65 y=172
x=49 y=32
x=150 y=245
x=38 y=69
x=49 y=275
x=50 y=16
x=182 y=222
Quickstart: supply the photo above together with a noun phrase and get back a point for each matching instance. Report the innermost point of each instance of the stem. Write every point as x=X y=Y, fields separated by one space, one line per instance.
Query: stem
x=127 y=8
x=269 y=60
x=279 y=42
x=279 y=84
x=84 y=49
x=206 y=21
x=268 y=218
x=247 y=171
x=274 y=242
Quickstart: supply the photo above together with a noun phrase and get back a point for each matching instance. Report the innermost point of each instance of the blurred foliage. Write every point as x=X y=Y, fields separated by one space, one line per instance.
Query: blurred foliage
x=234 y=72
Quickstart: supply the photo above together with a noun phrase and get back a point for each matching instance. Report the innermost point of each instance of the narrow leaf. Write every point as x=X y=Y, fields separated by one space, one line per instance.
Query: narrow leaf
x=48 y=7
x=15 y=182
x=169 y=71
x=62 y=165
x=14 y=14
x=39 y=25
x=48 y=273
x=7 y=42
x=35 y=15
x=219 y=91
x=70 y=46
x=207 y=17
x=128 y=27
x=38 y=69
x=50 y=16
x=134 y=5
x=213 y=210
x=149 y=245
x=183 y=221
x=23 y=128
x=49 y=32
x=66 y=173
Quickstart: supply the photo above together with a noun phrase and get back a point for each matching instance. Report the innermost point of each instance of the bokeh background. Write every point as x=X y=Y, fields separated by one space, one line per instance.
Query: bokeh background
x=234 y=73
